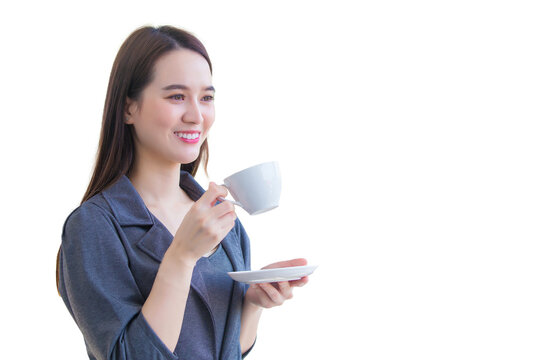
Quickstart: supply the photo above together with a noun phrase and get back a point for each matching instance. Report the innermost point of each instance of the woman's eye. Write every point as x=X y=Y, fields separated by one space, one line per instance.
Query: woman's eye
x=177 y=97
x=208 y=98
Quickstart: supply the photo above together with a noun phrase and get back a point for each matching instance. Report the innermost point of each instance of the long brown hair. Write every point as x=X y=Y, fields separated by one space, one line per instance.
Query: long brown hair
x=132 y=71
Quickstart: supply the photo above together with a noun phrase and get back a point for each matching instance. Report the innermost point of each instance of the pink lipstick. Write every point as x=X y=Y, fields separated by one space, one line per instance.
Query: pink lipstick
x=190 y=137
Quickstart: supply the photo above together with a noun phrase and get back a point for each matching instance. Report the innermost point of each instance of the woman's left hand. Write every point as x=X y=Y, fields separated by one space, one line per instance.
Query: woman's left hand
x=268 y=295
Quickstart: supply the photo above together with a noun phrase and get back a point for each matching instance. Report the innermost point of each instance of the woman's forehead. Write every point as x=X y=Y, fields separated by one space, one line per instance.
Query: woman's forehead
x=182 y=67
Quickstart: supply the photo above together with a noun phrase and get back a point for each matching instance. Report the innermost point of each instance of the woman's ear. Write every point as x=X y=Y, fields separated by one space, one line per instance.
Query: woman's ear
x=129 y=110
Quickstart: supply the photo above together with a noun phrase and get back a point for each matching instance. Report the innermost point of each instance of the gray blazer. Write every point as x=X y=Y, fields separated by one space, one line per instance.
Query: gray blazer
x=111 y=249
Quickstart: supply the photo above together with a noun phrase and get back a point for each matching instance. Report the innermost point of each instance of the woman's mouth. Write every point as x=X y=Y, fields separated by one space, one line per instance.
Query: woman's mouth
x=188 y=136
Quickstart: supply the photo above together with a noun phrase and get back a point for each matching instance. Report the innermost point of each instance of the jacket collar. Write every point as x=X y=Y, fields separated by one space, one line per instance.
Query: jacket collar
x=128 y=207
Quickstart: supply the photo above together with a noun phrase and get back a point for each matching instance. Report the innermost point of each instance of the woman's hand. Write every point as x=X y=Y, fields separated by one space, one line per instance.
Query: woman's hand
x=268 y=295
x=204 y=226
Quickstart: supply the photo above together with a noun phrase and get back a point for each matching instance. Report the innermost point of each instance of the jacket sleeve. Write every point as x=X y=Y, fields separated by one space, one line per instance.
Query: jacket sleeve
x=246 y=252
x=245 y=246
x=100 y=292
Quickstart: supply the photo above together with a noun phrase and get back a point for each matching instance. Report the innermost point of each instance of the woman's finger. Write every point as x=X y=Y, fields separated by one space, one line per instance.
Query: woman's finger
x=222 y=209
x=300 y=282
x=272 y=293
x=209 y=198
x=264 y=300
x=226 y=223
x=285 y=290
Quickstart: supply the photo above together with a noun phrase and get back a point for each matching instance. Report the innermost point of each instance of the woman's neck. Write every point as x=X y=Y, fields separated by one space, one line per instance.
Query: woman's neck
x=157 y=183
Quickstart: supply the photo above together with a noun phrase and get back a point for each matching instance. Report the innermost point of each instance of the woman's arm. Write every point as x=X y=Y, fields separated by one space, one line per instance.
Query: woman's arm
x=164 y=308
x=265 y=295
x=203 y=227
x=250 y=322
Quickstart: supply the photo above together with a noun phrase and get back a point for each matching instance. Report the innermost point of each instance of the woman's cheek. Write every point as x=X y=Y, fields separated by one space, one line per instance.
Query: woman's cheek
x=209 y=119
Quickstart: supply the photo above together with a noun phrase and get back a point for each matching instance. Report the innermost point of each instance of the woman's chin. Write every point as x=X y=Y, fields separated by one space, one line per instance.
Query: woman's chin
x=187 y=159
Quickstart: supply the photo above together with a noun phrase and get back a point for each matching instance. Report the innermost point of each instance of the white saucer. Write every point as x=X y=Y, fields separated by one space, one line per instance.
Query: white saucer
x=273 y=275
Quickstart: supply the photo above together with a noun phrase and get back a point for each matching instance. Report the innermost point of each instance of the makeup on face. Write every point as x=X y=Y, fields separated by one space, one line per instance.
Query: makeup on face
x=190 y=137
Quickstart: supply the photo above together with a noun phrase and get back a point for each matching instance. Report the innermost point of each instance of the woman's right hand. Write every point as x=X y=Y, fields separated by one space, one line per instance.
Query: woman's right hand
x=204 y=226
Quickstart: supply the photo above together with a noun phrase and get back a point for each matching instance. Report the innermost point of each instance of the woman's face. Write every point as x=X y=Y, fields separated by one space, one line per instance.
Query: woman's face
x=175 y=111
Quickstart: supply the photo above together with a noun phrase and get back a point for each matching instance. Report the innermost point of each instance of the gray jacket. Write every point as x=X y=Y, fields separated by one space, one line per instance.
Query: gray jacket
x=111 y=249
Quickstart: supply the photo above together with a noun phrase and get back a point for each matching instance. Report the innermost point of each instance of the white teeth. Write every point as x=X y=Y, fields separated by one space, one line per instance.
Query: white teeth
x=187 y=136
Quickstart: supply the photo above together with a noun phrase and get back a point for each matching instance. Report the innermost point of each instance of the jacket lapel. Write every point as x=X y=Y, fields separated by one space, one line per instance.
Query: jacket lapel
x=130 y=210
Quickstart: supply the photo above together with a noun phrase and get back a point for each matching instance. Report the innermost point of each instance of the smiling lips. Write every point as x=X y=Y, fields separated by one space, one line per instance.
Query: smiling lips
x=191 y=137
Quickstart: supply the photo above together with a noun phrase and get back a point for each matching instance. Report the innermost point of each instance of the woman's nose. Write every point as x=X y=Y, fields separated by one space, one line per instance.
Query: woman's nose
x=193 y=113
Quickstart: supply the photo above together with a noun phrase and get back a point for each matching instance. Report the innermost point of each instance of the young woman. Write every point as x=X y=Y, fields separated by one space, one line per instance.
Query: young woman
x=143 y=263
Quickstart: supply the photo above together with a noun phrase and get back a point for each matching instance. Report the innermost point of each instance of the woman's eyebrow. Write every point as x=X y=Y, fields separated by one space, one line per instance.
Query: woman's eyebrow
x=184 y=87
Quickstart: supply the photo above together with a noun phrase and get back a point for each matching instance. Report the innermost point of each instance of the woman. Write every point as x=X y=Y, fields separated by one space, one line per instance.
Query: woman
x=143 y=263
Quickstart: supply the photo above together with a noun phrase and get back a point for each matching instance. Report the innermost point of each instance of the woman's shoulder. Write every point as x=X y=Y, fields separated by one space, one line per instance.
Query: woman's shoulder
x=96 y=208
x=89 y=219
x=93 y=208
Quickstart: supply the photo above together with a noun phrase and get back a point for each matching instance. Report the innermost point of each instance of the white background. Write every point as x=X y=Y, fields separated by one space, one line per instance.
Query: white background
x=408 y=138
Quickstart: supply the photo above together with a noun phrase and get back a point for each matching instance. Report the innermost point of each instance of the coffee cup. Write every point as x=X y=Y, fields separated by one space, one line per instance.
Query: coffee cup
x=256 y=189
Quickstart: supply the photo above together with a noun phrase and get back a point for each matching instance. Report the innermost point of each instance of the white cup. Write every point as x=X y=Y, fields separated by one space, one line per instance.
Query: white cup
x=256 y=189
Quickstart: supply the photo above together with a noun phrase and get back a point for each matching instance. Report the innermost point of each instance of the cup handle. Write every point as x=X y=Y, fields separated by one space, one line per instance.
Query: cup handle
x=231 y=201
